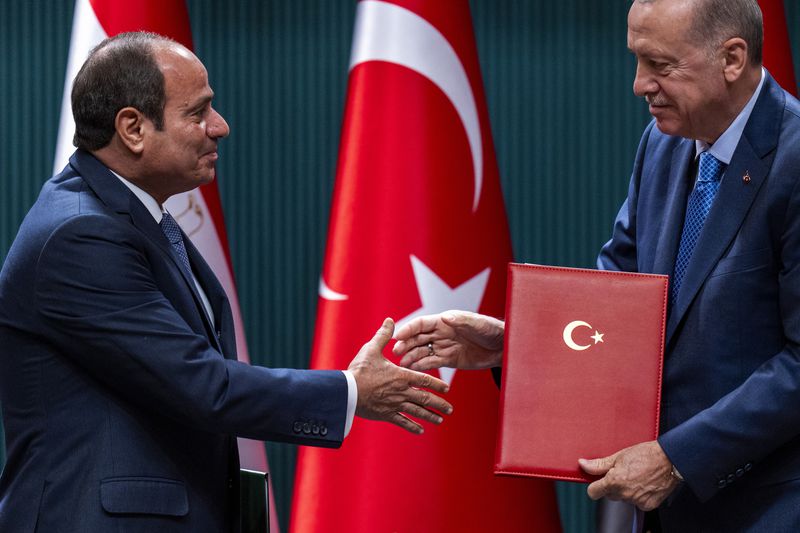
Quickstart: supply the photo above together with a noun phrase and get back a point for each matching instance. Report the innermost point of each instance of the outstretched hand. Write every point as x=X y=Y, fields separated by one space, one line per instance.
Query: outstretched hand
x=456 y=339
x=389 y=393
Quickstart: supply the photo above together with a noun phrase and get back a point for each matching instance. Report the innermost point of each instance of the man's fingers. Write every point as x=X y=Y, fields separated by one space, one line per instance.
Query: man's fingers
x=423 y=324
x=401 y=347
x=420 y=412
x=425 y=381
x=429 y=400
x=415 y=354
x=455 y=320
x=598 y=489
x=597 y=467
x=406 y=423
x=428 y=363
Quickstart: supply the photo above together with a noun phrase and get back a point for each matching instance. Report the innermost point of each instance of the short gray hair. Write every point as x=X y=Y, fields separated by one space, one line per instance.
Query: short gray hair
x=716 y=21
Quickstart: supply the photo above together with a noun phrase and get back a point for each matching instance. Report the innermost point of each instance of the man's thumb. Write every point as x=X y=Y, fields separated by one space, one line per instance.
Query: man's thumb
x=384 y=334
x=597 y=467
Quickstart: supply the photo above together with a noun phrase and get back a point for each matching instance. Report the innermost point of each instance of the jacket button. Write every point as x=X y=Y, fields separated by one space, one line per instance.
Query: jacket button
x=739 y=472
x=748 y=467
x=731 y=478
x=297 y=427
x=315 y=429
x=306 y=428
x=721 y=483
x=323 y=431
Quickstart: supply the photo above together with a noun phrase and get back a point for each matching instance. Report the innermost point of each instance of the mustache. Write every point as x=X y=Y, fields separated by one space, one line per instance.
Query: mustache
x=655 y=99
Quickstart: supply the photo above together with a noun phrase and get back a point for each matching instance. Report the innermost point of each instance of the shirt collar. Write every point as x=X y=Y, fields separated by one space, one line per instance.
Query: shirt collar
x=724 y=147
x=148 y=201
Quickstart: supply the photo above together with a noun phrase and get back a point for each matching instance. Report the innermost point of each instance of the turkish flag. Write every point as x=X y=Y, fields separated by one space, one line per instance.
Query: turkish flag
x=417 y=226
x=777 y=49
x=198 y=212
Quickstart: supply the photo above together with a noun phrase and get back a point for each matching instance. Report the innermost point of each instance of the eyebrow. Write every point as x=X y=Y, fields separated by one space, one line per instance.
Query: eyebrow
x=200 y=103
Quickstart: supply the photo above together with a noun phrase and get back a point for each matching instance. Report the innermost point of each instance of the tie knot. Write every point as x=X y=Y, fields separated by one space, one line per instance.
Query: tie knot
x=171 y=228
x=710 y=168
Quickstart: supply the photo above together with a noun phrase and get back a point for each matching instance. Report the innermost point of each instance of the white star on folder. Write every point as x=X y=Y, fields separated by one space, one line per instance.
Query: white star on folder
x=598 y=337
x=438 y=296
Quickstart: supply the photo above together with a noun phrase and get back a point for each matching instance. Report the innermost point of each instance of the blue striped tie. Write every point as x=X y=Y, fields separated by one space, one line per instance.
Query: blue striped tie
x=173 y=233
x=700 y=202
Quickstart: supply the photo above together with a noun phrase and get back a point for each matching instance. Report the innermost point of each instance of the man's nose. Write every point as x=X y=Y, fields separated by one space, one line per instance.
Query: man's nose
x=217 y=126
x=643 y=82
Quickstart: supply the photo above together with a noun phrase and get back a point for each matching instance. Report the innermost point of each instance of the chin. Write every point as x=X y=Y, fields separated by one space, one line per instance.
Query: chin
x=206 y=176
x=669 y=127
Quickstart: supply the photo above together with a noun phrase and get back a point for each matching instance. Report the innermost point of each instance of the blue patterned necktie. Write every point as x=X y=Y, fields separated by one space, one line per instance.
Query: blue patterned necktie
x=700 y=201
x=173 y=233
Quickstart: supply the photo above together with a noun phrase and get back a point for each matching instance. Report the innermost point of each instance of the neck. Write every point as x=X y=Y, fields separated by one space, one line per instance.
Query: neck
x=740 y=92
x=129 y=168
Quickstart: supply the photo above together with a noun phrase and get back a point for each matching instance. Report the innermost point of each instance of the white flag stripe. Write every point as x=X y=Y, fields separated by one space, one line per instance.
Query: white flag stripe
x=86 y=34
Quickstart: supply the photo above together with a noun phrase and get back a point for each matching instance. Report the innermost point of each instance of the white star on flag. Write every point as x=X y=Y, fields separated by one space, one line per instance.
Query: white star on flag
x=437 y=296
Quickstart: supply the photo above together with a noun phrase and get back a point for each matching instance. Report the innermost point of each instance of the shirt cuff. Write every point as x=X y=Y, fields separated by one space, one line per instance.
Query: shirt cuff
x=352 y=399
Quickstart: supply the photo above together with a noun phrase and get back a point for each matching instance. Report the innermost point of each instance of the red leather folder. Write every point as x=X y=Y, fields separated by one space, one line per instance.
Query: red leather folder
x=581 y=367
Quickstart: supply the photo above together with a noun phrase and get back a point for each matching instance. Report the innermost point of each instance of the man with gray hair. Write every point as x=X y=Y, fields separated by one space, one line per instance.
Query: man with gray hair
x=714 y=202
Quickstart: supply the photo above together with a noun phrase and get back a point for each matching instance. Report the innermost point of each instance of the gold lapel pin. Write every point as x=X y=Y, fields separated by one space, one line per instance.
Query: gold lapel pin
x=746 y=177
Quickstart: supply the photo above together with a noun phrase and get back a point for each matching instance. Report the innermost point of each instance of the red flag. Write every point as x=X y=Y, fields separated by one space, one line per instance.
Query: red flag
x=417 y=226
x=199 y=212
x=777 y=50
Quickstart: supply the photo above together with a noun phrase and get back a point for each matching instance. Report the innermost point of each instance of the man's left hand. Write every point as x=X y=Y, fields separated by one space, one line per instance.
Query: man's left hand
x=641 y=475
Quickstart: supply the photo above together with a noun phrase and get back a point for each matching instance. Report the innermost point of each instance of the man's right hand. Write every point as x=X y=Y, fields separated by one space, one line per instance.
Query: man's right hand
x=455 y=339
x=390 y=393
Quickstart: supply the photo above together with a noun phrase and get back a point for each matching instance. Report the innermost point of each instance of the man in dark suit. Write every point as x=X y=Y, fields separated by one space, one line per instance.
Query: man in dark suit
x=714 y=202
x=121 y=392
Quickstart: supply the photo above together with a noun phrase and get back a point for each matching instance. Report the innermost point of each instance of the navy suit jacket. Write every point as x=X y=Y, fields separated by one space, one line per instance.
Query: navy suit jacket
x=121 y=401
x=730 y=418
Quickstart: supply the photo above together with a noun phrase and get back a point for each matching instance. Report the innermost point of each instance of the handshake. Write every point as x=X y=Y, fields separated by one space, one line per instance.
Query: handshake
x=640 y=474
x=456 y=339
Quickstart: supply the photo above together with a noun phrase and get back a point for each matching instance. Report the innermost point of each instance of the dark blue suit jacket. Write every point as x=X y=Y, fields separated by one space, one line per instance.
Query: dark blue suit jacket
x=120 y=399
x=731 y=389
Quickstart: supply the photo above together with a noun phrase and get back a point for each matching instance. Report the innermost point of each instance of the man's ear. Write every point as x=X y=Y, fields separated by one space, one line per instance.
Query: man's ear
x=735 y=55
x=131 y=128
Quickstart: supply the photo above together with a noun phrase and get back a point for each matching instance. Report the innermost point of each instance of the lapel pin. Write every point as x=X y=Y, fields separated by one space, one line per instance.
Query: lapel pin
x=746 y=177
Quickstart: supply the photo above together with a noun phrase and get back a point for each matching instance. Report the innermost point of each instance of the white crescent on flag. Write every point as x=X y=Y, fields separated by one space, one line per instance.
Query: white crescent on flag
x=388 y=32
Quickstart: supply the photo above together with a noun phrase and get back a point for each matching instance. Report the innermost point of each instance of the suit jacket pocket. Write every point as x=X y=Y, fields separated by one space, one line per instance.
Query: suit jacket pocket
x=144 y=495
x=745 y=261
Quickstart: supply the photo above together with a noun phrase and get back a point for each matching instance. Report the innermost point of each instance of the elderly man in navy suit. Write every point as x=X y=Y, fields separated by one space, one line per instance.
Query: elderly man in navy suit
x=121 y=392
x=714 y=202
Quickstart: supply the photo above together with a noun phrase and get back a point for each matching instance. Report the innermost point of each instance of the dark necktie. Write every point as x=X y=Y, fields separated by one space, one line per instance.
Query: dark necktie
x=174 y=235
x=700 y=201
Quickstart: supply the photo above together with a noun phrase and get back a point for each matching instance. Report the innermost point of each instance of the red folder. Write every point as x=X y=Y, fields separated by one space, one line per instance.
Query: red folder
x=581 y=367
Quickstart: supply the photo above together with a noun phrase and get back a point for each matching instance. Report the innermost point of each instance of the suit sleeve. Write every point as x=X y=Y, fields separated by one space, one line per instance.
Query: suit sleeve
x=619 y=253
x=101 y=304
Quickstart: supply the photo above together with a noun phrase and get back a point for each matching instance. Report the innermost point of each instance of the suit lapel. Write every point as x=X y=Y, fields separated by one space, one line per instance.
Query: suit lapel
x=119 y=198
x=752 y=158
x=216 y=298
